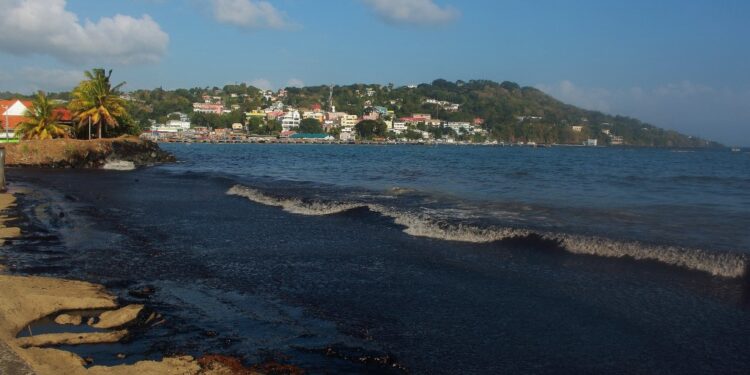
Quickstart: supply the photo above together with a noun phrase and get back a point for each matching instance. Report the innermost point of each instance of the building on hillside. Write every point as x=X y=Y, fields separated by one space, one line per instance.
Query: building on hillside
x=274 y=115
x=320 y=116
x=617 y=140
x=290 y=120
x=576 y=128
x=399 y=127
x=255 y=114
x=349 y=121
x=214 y=108
x=372 y=115
x=459 y=127
x=335 y=116
x=591 y=142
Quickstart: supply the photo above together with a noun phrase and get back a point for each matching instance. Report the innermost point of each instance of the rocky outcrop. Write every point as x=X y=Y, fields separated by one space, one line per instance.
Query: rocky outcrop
x=115 y=153
x=118 y=318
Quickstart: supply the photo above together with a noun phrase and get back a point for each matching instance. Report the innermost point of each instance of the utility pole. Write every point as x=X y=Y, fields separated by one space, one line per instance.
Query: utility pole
x=330 y=98
x=89 y=128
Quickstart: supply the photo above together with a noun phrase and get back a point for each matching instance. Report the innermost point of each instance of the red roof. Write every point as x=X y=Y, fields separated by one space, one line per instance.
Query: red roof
x=64 y=114
x=14 y=120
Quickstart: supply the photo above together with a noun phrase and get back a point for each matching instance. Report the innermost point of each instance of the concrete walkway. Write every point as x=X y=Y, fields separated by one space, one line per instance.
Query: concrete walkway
x=10 y=364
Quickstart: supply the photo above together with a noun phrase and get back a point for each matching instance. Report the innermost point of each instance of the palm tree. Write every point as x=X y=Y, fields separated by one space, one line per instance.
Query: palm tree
x=95 y=101
x=42 y=121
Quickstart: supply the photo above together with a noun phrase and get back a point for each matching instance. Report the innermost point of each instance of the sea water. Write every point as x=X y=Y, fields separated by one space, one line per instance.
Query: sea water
x=394 y=259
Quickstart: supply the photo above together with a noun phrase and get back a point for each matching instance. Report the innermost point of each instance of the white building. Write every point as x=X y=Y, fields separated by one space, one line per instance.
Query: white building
x=347 y=134
x=459 y=126
x=399 y=127
x=172 y=126
x=290 y=120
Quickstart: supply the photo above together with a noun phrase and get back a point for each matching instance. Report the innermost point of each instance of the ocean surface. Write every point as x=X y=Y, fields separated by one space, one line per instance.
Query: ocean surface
x=414 y=259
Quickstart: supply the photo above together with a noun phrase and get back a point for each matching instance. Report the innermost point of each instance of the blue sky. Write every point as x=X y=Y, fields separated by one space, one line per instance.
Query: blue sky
x=681 y=65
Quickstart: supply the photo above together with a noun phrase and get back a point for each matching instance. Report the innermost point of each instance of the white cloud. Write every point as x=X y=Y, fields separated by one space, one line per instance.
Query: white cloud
x=261 y=83
x=45 y=27
x=31 y=79
x=249 y=14
x=294 y=82
x=421 y=12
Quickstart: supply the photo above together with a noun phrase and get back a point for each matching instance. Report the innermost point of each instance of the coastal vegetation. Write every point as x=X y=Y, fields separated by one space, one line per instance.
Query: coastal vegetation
x=96 y=102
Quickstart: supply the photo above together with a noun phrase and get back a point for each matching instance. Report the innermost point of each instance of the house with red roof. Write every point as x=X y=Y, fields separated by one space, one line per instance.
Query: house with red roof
x=14 y=112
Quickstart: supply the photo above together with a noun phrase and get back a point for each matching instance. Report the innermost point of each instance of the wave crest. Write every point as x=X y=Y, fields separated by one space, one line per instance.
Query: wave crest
x=292 y=205
x=726 y=264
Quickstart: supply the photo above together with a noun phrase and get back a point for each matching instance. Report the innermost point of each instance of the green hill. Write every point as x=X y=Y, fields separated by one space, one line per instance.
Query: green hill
x=510 y=113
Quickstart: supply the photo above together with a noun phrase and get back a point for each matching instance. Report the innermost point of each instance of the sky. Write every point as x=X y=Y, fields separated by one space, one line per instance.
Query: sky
x=678 y=64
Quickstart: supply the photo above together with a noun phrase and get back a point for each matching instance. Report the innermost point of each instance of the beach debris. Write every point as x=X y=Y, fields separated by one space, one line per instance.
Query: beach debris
x=119 y=317
x=66 y=319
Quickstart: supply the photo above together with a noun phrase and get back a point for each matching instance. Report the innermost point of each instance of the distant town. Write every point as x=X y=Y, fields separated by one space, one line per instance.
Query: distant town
x=319 y=124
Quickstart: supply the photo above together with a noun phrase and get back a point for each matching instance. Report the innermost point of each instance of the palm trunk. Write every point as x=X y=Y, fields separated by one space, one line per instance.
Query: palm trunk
x=99 y=129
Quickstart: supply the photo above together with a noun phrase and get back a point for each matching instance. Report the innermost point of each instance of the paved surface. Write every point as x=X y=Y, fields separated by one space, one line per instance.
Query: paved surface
x=10 y=364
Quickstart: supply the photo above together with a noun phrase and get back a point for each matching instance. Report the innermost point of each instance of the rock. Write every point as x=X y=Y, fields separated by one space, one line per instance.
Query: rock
x=71 y=339
x=121 y=356
x=92 y=320
x=118 y=318
x=69 y=319
x=145 y=292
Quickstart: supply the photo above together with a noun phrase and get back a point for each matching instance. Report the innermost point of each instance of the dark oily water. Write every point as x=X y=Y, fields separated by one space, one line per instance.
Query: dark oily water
x=325 y=256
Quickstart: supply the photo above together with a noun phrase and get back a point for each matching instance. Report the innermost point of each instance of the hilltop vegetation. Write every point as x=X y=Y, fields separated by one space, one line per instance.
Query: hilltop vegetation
x=509 y=112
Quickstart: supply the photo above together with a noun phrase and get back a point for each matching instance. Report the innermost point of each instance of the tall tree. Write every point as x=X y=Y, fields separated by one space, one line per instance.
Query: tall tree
x=369 y=128
x=42 y=121
x=97 y=101
x=310 y=125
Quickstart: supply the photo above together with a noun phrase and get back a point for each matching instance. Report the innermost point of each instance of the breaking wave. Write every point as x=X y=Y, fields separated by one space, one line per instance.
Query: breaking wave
x=726 y=264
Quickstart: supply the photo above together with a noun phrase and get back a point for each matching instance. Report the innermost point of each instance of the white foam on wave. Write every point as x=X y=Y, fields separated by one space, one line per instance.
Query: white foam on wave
x=725 y=264
x=294 y=206
x=119 y=165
